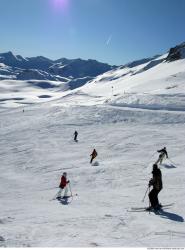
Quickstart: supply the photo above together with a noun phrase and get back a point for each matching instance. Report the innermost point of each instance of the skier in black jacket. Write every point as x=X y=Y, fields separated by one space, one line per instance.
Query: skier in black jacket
x=157 y=184
x=162 y=155
x=75 y=136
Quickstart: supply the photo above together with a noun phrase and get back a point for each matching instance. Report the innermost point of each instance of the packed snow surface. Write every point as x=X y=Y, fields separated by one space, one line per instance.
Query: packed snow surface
x=126 y=116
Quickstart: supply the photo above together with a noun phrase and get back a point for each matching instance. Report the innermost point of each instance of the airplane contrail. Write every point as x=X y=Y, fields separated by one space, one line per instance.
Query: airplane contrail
x=109 y=40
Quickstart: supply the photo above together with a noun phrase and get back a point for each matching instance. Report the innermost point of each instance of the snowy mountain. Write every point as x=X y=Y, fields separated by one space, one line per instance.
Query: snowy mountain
x=62 y=74
x=126 y=114
x=80 y=68
x=176 y=53
x=143 y=83
x=76 y=68
x=18 y=61
x=154 y=84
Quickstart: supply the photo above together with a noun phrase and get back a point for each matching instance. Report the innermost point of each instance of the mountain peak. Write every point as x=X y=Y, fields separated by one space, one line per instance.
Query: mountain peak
x=8 y=55
x=176 y=53
x=39 y=58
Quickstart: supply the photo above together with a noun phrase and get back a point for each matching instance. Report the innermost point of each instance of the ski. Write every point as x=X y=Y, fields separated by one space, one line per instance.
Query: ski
x=138 y=211
x=144 y=208
x=64 y=197
x=69 y=196
x=66 y=200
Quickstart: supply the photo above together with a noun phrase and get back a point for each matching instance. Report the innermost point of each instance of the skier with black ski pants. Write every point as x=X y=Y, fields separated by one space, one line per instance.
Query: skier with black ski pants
x=75 y=136
x=156 y=182
x=163 y=153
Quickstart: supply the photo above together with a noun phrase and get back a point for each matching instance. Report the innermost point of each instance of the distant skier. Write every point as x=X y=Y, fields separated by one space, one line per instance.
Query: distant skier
x=156 y=182
x=75 y=136
x=63 y=186
x=162 y=155
x=93 y=155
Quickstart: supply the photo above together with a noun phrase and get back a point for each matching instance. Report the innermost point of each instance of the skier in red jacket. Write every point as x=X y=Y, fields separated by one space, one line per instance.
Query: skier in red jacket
x=93 y=155
x=63 y=186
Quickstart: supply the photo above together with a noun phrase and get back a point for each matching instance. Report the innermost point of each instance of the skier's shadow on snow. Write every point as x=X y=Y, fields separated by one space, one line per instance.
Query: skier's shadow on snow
x=65 y=201
x=170 y=216
x=168 y=165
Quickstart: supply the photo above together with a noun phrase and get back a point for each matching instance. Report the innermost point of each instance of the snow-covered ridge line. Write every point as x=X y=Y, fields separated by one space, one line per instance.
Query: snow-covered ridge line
x=63 y=67
x=156 y=85
x=153 y=83
x=68 y=73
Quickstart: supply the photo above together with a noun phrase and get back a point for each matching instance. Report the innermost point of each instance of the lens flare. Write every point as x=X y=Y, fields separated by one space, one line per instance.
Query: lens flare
x=60 y=4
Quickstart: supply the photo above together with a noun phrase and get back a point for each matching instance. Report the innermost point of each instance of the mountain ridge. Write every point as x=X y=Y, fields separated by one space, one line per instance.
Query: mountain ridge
x=124 y=85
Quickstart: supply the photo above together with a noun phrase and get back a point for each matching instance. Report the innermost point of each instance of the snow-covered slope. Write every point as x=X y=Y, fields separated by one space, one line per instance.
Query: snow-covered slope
x=37 y=147
x=159 y=87
x=126 y=114
x=149 y=83
x=67 y=75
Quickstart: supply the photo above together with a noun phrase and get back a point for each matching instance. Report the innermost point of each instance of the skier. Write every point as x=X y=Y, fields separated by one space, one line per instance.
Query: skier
x=75 y=136
x=63 y=186
x=162 y=154
x=156 y=182
x=93 y=155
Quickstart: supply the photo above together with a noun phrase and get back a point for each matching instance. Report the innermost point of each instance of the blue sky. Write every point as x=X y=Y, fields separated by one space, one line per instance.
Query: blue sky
x=112 y=31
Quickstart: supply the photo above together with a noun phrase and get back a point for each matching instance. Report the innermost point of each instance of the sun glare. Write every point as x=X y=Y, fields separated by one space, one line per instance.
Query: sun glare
x=60 y=4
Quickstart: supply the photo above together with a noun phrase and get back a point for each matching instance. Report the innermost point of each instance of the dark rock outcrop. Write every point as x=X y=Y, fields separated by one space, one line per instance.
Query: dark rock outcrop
x=176 y=53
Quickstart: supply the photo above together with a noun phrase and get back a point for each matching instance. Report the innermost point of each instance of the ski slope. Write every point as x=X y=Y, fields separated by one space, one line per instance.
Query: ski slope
x=144 y=113
x=159 y=87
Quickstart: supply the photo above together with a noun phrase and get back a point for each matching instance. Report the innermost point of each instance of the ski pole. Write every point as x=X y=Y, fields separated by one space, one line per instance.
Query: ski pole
x=148 y=161
x=145 y=194
x=55 y=196
x=70 y=189
x=153 y=155
x=149 y=199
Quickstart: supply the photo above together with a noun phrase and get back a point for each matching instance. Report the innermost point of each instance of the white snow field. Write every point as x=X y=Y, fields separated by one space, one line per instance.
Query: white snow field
x=126 y=118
